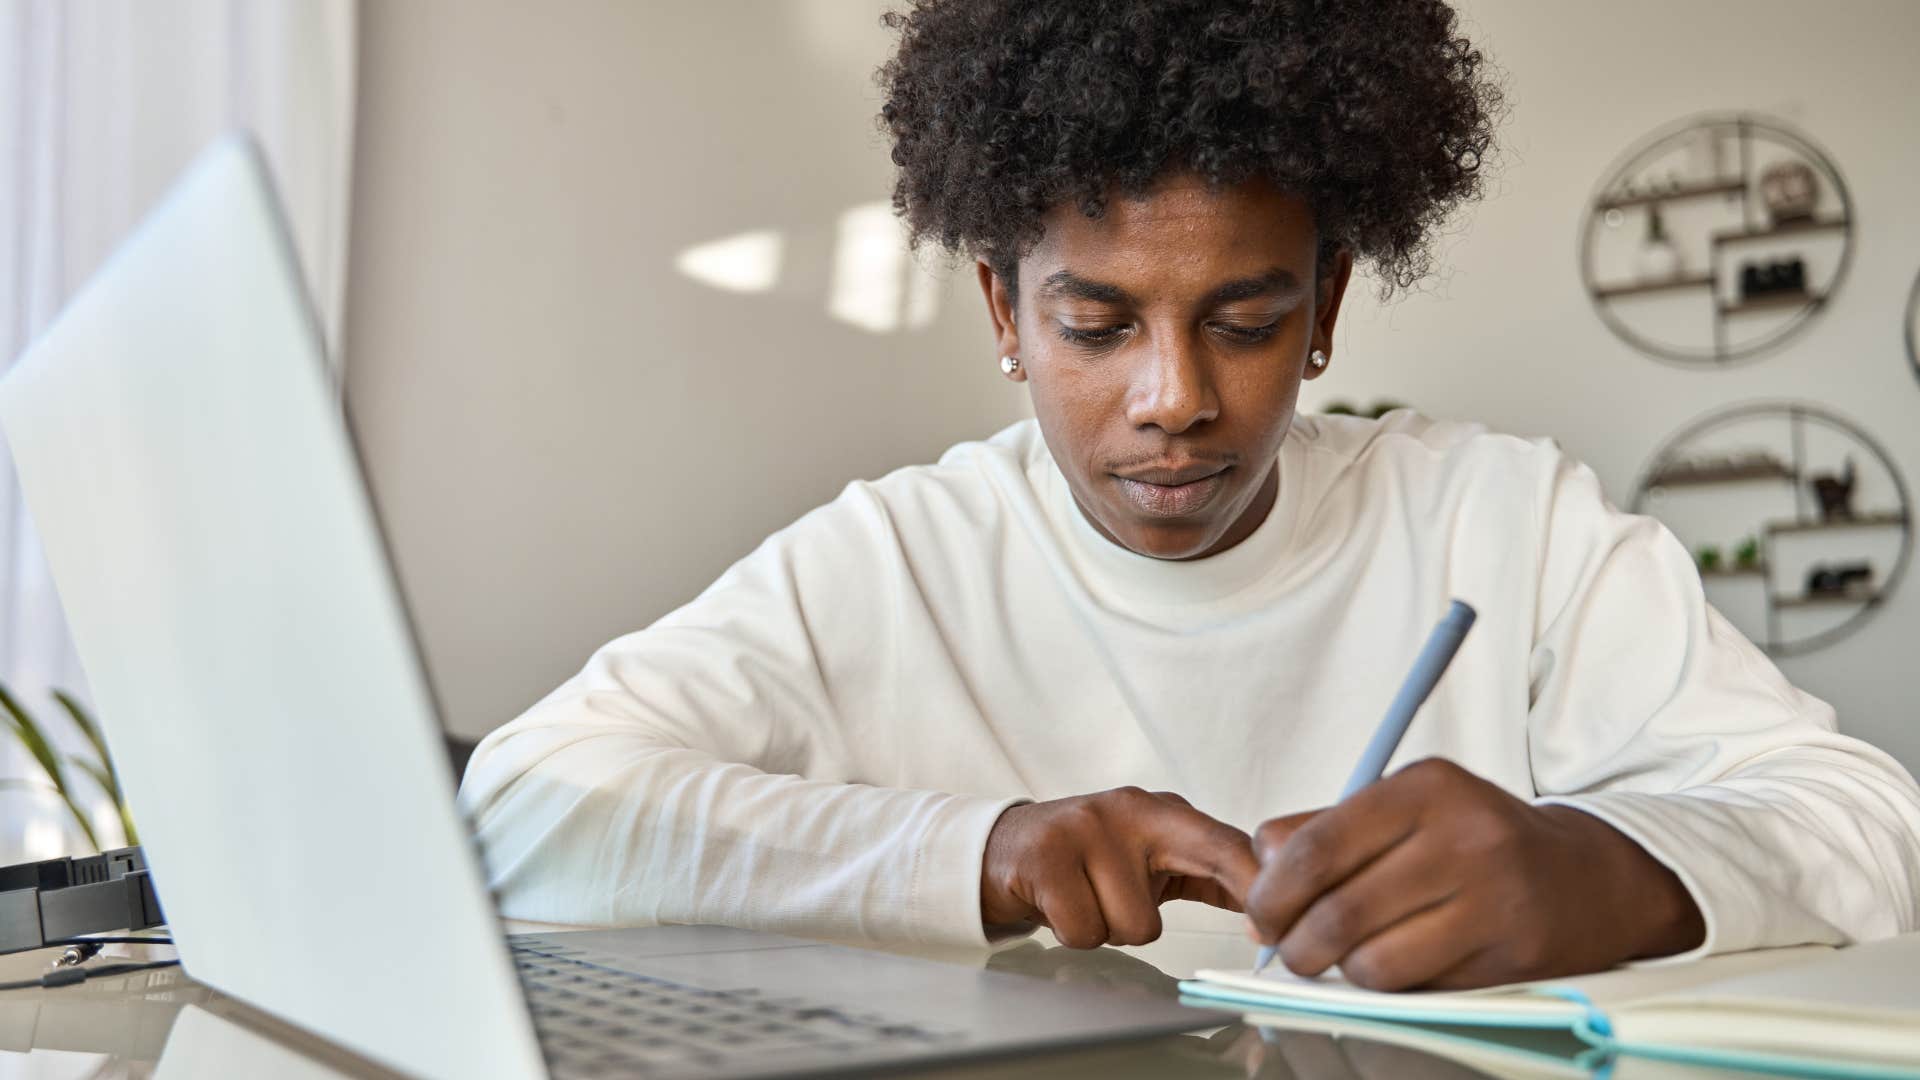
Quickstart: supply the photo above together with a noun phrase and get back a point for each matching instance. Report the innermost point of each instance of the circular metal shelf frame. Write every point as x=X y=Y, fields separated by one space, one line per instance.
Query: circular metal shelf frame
x=1913 y=326
x=1795 y=414
x=1612 y=199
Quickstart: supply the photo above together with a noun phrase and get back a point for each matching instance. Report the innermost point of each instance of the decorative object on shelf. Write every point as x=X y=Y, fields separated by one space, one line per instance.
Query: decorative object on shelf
x=1835 y=492
x=1721 y=468
x=1789 y=189
x=1773 y=278
x=1658 y=259
x=1707 y=152
x=1804 y=490
x=1719 y=194
x=1844 y=579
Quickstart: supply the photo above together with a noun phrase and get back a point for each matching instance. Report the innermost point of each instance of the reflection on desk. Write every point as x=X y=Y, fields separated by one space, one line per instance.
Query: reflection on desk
x=163 y=1024
x=120 y=1017
x=205 y=1044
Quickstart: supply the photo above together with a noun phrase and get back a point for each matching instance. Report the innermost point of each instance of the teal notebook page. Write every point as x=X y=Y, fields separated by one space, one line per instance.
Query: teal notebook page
x=1507 y=1052
x=1808 y=1011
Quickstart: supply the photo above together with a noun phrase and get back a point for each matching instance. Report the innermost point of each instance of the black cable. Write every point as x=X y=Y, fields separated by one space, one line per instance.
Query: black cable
x=129 y=940
x=67 y=976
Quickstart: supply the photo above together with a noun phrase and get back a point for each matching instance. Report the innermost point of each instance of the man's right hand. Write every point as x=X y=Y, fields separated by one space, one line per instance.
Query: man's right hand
x=1096 y=868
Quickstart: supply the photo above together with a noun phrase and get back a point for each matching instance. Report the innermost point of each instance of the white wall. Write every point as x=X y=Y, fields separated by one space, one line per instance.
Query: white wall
x=569 y=437
x=1508 y=335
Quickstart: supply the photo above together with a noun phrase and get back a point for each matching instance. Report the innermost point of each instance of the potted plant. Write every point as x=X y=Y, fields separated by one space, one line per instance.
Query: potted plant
x=59 y=768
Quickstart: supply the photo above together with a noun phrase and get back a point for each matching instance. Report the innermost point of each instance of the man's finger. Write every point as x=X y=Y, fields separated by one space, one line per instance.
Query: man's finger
x=1069 y=908
x=1482 y=967
x=1274 y=832
x=1408 y=877
x=1186 y=842
x=1129 y=904
x=1421 y=947
x=1200 y=890
x=1318 y=855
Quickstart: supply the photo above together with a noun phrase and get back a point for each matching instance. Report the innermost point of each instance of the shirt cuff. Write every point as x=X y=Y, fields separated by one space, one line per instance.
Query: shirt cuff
x=945 y=891
x=1687 y=840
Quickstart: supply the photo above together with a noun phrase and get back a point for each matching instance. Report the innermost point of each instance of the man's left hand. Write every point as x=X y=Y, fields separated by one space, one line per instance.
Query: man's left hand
x=1435 y=878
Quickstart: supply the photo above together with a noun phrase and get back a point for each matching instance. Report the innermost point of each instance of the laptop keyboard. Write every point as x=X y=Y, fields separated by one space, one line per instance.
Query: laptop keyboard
x=596 y=1019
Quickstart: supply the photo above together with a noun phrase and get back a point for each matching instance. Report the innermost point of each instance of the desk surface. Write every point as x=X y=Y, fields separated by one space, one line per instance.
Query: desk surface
x=163 y=1024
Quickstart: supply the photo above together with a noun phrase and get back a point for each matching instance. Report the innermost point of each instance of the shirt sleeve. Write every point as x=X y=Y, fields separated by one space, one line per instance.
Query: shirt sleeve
x=1651 y=712
x=695 y=771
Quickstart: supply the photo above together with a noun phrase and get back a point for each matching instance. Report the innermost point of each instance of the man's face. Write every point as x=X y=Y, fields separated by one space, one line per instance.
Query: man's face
x=1164 y=344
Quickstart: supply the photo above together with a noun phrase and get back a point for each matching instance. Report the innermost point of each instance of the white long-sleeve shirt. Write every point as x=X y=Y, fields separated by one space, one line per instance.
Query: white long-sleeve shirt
x=820 y=743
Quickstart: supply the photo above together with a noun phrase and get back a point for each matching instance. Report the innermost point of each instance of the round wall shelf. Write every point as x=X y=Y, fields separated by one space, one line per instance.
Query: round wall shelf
x=1913 y=326
x=1716 y=239
x=1799 y=520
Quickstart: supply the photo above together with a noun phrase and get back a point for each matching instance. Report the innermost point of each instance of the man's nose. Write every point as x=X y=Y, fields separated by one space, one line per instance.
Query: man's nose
x=1172 y=386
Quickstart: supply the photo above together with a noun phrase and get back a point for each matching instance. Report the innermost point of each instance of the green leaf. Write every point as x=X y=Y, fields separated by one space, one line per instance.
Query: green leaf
x=104 y=777
x=91 y=729
x=80 y=818
x=93 y=769
x=35 y=740
x=83 y=721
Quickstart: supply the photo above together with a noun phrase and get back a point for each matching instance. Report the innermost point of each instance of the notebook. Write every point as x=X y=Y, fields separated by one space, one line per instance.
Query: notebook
x=1812 y=1010
x=1510 y=1053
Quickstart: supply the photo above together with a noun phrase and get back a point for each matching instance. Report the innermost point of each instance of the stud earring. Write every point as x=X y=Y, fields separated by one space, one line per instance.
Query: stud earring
x=1009 y=365
x=1319 y=360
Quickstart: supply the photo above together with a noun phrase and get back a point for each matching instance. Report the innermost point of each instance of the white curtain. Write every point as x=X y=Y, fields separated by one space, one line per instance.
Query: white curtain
x=102 y=102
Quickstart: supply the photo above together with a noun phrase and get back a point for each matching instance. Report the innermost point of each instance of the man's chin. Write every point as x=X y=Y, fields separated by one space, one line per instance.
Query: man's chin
x=1159 y=537
x=1172 y=541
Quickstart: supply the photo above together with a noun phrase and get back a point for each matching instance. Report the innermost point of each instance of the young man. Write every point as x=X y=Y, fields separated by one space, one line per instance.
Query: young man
x=1051 y=679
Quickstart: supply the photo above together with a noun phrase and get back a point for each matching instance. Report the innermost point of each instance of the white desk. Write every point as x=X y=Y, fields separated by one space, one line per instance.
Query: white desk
x=164 y=1025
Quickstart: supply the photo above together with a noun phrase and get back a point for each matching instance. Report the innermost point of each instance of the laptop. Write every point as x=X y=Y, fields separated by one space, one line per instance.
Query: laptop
x=185 y=456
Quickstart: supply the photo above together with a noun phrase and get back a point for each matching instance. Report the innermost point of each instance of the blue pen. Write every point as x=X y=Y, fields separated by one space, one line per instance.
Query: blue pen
x=1427 y=669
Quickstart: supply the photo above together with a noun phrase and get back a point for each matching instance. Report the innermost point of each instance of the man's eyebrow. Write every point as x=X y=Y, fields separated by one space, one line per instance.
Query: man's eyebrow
x=1274 y=282
x=1067 y=284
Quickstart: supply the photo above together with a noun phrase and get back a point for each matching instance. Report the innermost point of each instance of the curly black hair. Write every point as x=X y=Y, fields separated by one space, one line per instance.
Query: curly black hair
x=1378 y=113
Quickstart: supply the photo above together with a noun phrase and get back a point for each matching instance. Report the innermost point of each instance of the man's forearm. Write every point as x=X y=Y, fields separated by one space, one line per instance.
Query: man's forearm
x=1806 y=845
x=609 y=830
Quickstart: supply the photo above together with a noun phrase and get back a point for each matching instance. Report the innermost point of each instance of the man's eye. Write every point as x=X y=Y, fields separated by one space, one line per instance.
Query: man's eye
x=1105 y=335
x=1245 y=335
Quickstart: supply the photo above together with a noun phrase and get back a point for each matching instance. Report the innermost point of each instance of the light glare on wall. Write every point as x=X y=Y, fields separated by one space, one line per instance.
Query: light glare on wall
x=876 y=285
x=746 y=263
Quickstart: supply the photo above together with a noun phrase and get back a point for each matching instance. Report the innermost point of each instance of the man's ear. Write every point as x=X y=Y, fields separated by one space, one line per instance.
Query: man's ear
x=1330 y=290
x=1006 y=335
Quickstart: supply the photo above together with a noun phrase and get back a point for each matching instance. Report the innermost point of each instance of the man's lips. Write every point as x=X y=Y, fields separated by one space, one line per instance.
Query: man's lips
x=1174 y=475
x=1173 y=491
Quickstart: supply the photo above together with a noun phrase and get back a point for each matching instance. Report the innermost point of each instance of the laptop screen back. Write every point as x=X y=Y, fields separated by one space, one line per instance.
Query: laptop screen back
x=185 y=460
